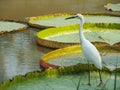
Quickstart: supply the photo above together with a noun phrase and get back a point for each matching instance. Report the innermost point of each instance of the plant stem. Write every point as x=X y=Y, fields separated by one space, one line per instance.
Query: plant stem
x=115 y=76
x=115 y=81
x=78 y=83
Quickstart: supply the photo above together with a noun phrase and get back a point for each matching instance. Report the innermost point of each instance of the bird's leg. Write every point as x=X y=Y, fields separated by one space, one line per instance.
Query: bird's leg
x=101 y=82
x=89 y=75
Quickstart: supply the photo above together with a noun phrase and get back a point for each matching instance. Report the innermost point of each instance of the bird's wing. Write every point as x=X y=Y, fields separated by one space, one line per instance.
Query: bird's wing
x=91 y=53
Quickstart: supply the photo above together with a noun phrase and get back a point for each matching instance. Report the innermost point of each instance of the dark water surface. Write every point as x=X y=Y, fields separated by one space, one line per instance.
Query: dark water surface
x=19 y=53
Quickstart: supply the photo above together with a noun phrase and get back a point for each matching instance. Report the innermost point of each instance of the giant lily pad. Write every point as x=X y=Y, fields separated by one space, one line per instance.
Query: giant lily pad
x=11 y=26
x=58 y=20
x=61 y=79
x=71 y=57
x=113 y=7
x=68 y=35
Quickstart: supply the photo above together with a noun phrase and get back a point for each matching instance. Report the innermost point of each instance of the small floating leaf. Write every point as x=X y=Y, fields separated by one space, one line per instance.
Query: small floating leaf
x=8 y=26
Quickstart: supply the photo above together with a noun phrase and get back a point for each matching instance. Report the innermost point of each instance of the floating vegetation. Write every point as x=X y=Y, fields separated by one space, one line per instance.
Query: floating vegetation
x=11 y=26
x=62 y=78
x=66 y=75
x=68 y=35
x=72 y=57
x=57 y=20
x=112 y=7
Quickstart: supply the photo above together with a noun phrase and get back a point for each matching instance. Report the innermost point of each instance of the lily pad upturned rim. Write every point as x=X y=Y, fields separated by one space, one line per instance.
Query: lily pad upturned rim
x=63 y=14
x=41 y=35
x=14 y=30
x=72 y=50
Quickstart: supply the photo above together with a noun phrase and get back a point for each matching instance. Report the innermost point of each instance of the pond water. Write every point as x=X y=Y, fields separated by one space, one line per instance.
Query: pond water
x=19 y=53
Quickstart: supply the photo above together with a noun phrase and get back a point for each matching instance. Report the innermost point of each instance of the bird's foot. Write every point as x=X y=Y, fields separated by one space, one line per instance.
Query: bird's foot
x=100 y=84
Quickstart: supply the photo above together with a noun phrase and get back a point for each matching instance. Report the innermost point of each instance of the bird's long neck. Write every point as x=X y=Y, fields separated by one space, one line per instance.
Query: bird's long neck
x=81 y=32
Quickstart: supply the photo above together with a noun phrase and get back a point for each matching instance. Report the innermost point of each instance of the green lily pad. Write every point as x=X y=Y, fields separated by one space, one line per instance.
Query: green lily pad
x=53 y=79
x=11 y=26
x=68 y=35
x=112 y=7
x=59 y=20
x=72 y=56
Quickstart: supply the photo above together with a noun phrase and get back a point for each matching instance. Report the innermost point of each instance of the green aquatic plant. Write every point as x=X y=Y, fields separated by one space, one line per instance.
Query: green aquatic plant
x=11 y=26
x=112 y=7
x=51 y=72
x=19 y=79
x=74 y=28
x=44 y=17
x=50 y=79
x=71 y=57
x=100 y=26
x=64 y=75
x=56 y=20
x=115 y=80
x=68 y=35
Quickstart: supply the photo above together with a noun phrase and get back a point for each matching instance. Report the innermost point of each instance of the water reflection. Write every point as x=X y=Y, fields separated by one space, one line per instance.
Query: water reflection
x=18 y=54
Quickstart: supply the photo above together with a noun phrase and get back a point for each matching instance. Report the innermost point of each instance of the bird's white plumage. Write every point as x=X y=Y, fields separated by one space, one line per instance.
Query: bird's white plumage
x=91 y=53
x=88 y=49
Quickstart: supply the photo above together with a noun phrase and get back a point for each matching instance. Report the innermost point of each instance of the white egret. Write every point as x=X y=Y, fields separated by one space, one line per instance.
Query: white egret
x=88 y=49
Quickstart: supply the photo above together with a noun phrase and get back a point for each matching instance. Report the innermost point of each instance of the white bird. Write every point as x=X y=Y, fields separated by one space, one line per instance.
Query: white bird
x=88 y=49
